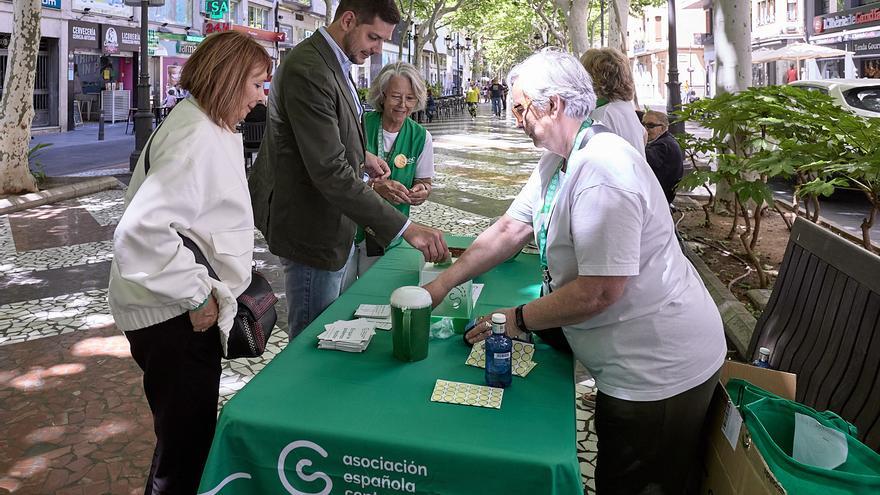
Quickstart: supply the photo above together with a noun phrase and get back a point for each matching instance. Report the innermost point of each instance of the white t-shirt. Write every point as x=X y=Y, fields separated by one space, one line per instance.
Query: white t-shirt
x=425 y=163
x=620 y=117
x=664 y=335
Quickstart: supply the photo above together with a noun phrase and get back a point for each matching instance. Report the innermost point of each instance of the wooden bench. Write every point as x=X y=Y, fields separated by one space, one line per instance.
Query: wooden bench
x=823 y=323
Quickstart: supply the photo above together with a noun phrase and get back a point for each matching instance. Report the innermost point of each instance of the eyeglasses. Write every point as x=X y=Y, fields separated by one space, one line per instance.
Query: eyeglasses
x=651 y=125
x=519 y=112
x=409 y=101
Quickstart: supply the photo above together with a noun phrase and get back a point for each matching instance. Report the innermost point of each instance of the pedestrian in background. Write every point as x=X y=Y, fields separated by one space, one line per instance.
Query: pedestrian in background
x=175 y=316
x=615 y=89
x=496 y=91
x=472 y=97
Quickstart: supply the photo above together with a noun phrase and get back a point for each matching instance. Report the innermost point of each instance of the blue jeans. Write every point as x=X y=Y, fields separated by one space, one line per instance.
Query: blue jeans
x=496 y=106
x=309 y=291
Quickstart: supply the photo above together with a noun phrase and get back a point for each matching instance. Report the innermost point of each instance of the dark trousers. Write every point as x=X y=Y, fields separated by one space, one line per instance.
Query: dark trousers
x=182 y=382
x=651 y=447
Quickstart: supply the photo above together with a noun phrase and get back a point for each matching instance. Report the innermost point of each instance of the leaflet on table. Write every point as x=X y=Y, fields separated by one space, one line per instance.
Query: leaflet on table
x=378 y=314
x=351 y=336
x=379 y=311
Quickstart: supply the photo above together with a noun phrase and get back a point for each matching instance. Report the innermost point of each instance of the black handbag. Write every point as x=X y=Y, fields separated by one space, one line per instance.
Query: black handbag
x=255 y=317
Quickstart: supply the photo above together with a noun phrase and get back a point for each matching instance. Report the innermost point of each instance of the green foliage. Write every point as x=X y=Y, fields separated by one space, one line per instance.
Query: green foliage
x=362 y=94
x=786 y=132
x=36 y=165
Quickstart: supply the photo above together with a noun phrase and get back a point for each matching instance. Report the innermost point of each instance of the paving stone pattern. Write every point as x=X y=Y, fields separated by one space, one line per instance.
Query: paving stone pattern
x=73 y=409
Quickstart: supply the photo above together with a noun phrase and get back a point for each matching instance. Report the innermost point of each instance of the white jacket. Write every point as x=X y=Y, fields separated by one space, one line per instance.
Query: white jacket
x=620 y=118
x=196 y=186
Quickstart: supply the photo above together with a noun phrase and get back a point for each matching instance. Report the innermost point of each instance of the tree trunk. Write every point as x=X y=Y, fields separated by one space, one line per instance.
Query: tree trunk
x=733 y=53
x=867 y=223
x=618 y=13
x=328 y=15
x=17 y=104
x=733 y=60
x=576 y=20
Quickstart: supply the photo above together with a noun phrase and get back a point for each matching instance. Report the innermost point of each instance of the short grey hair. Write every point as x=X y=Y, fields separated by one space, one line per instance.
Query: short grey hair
x=376 y=95
x=551 y=73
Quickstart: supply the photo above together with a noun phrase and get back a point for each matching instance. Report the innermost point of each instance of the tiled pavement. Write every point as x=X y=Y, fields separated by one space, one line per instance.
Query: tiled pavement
x=71 y=404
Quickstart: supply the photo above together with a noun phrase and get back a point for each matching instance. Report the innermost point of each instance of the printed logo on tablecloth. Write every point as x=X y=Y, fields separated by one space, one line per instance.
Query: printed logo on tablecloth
x=393 y=474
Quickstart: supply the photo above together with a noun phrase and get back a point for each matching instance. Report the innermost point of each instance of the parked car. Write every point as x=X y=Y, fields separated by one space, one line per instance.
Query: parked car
x=859 y=96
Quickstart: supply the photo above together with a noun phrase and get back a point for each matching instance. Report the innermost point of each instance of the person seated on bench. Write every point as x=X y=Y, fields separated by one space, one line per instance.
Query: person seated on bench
x=632 y=307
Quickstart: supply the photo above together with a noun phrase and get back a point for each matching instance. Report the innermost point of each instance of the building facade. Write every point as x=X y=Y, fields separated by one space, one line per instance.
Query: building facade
x=851 y=25
x=775 y=24
x=89 y=55
x=649 y=53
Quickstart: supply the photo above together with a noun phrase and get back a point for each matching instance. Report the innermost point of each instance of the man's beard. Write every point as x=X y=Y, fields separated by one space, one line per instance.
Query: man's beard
x=346 y=48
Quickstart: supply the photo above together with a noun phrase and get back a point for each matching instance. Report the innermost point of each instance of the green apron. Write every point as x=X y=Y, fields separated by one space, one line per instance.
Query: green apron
x=410 y=142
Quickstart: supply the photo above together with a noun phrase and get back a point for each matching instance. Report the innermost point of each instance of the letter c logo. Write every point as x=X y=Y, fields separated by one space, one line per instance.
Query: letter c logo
x=303 y=463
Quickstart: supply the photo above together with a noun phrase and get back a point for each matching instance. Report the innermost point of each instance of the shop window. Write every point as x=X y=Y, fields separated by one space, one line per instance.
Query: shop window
x=766 y=12
x=177 y=12
x=233 y=12
x=258 y=17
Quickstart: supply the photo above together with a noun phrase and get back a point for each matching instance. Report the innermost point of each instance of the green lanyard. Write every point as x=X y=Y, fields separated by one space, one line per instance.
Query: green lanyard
x=380 y=144
x=550 y=195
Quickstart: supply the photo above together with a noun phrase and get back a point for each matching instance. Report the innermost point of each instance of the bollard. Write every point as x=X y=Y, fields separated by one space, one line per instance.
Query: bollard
x=101 y=125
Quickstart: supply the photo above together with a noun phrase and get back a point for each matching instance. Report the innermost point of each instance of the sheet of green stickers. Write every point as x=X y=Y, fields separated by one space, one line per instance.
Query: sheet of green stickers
x=522 y=362
x=467 y=394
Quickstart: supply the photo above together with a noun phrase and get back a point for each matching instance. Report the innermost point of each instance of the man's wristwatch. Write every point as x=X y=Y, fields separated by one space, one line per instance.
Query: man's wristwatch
x=520 y=322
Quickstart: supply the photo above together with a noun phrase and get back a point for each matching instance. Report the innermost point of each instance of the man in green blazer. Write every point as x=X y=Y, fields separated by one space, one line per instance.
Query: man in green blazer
x=307 y=184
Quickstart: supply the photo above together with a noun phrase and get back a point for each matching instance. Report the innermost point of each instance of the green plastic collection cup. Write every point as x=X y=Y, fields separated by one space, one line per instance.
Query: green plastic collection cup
x=410 y=323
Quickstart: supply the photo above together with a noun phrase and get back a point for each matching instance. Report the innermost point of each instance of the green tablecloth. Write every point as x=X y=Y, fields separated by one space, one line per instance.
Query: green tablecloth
x=319 y=421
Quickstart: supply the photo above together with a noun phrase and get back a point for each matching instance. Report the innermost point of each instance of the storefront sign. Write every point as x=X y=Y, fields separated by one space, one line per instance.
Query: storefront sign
x=109 y=7
x=115 y=39
x=52 y=4
x=260 y=34
x=217 y=27
x=216 y=9
x=83 y=35
x=184 y=48
x=195 y=38
x=152 y=41
x=847 y=19
x=867 y=47
x=288 y=34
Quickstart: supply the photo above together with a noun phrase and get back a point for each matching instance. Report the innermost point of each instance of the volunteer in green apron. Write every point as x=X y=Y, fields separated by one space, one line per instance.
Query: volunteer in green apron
x=406 y=146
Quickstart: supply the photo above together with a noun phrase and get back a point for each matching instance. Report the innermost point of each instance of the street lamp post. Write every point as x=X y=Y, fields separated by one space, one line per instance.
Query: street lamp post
x=457 y=46
x=673 y=87
x=143 y=118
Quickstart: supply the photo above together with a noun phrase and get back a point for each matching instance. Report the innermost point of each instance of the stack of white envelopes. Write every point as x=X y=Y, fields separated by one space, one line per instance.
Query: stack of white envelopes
x=349 y=336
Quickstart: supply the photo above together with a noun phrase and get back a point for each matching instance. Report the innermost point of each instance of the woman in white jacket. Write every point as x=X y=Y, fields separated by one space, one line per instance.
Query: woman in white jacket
x=174 y=315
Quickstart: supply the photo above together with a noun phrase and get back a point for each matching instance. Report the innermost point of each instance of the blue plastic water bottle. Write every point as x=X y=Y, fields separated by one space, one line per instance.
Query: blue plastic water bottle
x=763 y=360
x=499 y=348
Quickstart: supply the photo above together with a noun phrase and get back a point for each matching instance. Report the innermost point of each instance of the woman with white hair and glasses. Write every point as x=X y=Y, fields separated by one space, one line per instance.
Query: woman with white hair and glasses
x=406 y=146
x=631 y=306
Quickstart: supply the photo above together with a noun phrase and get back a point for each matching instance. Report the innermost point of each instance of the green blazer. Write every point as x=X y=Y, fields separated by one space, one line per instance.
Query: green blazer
x=306 y=185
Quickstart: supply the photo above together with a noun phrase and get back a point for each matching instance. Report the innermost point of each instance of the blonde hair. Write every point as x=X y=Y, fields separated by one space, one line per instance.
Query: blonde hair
x=216 y=76
x=612 y=76
x=376 y=95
